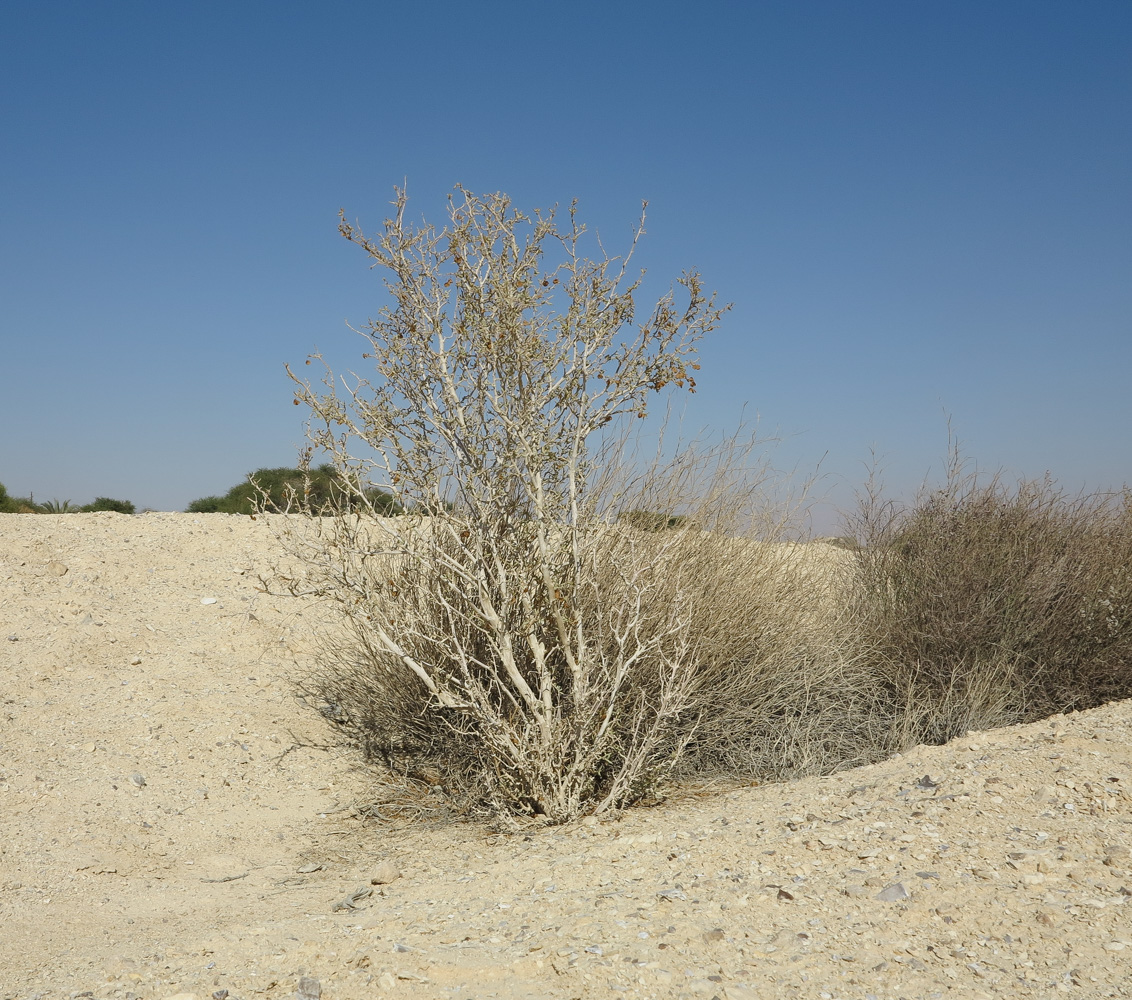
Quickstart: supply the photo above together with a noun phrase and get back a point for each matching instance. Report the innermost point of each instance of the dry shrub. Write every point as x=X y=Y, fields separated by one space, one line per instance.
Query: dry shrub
x=985 y=605
x=709 y=648
x=547 y=631
x=555 y=627
x=782 y=687
x=503 y=633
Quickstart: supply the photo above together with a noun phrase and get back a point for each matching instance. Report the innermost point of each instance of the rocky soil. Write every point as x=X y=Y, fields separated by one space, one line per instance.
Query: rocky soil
x=166 y=827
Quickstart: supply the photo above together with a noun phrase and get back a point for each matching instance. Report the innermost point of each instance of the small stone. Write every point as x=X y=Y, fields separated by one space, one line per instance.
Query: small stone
x=138 y=780
x=309 y=989
x=135 y=661
x=89 y=747
x=1114 y=946
x=386 y=981
x=56 y=569
x=208 y=600
x=1117 y=856
x=308 y=869
x=385 y=873
x=892 y=893
x=13 y=638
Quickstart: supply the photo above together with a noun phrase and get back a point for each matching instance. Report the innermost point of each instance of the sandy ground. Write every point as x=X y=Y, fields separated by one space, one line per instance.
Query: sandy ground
x=159 y=835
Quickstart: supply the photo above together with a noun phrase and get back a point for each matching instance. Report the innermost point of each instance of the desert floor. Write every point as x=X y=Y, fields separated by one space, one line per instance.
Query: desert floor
x=166 y=828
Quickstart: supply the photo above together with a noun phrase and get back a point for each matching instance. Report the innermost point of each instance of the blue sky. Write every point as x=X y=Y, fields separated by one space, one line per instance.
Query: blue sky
x=917 y=209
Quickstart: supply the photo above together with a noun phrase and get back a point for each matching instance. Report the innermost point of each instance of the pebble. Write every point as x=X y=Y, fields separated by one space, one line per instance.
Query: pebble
x=891 y=893
x=56 y=569
x=138 y=780
x=385 y=873
x=208 y=600
x=309 y=989
x=1117 y=856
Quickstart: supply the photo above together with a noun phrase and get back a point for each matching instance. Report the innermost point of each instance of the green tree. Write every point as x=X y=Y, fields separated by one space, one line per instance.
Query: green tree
x=320 y=490
x=109 y=504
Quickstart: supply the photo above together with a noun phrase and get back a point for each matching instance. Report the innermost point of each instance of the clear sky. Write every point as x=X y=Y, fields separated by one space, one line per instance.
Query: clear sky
x=918 y=209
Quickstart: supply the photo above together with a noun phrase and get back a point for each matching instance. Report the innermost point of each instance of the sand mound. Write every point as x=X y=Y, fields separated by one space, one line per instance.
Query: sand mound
x=160 y=834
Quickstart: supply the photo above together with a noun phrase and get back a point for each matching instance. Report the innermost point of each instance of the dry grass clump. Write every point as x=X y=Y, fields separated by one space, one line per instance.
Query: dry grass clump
x=984 y=605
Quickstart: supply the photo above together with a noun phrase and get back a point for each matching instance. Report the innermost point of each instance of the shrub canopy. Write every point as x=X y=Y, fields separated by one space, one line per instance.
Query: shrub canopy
x=320 y=490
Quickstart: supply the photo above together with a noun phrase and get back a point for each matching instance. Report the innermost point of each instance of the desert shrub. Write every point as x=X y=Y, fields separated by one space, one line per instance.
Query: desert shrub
x=27 y=505
x=109 y=504
x=207 y=505
x=510 y=633
x=8 y=504
x=16 y=505
x=533 y=633
x=57 y=507
x=986 y=604
x=319 y=490
x=650 y=520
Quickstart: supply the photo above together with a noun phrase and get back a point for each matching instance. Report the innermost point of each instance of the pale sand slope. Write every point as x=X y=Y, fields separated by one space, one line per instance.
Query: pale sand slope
x=1015 y=865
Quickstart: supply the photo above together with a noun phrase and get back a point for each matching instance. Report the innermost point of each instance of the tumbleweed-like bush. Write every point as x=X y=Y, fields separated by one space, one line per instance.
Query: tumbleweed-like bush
x=510 y=636
x=984 y=604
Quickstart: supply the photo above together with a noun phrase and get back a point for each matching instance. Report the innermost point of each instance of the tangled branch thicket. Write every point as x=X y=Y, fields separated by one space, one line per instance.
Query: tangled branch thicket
x=509 y=632
x=983 y=604
x=553 y=627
